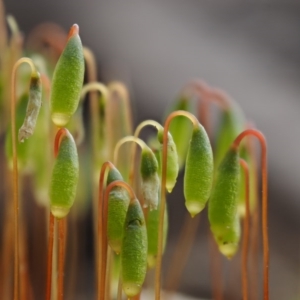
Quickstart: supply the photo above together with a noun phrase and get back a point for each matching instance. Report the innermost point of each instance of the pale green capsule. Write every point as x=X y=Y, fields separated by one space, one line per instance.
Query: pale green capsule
x=152 y=224
x=134 y=250
x=118 y=201
x=67 y=80
x=222 y=208
x=198 y=176
x=150 y=179
x=172 y=161
x=180 y=128
x=64 y=179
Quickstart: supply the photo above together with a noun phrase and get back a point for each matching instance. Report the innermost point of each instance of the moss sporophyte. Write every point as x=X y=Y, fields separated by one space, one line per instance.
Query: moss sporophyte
x=103 y=171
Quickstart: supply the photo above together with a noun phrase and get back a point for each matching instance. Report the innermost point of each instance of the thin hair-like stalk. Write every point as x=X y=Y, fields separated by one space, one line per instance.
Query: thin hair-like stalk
x=163 y=194
x=50 y=256
x=61 y=257
x=100 y=248
x=124 y=140
x=246 y=229
x=264 y=171
x=103 y=211
x=34 y=73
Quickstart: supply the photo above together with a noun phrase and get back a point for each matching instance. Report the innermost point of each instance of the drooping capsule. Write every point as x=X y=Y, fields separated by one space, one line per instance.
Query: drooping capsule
x=118 y=201
x=23 y=149
x=180 y=128
x=134 y=250
x=67 y=80
x=172 y=161
x=64 y=179
x=33 y=108
x=222 y=208
x=150 y=179
x=198 y=176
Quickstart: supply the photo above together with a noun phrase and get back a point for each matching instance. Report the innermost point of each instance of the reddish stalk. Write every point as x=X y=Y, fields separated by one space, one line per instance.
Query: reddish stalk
x=263 y=144
x=15 y=169
x=50 y=255
x=61 y=257
x=194 y=120
x=102 y=249
x=103 y=203
x=246 y=226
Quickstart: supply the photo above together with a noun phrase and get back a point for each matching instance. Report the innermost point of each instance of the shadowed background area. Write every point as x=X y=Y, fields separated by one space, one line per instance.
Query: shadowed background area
x=251 y=50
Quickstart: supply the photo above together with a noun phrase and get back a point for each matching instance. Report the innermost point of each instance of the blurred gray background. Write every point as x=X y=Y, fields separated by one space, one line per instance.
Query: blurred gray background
x=251 y=49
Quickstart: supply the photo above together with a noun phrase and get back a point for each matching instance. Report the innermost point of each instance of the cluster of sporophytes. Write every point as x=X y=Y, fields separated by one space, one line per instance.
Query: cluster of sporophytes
x=128 y=187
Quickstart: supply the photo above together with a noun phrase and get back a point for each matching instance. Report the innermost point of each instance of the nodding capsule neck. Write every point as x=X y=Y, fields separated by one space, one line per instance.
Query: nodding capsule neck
x=59 y=135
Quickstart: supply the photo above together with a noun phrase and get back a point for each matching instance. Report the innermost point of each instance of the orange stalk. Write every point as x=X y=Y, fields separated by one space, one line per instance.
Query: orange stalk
x=246 y=226
x=163 y=196
x=61 y=257
x=103 y=203
x=50 y=255
x=263 y=144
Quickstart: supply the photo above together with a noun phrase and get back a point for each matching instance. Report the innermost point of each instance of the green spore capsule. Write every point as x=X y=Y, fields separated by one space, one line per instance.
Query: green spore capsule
x=67 y=80
x=172 y=160
x=64 y=179
x=198 y=176
x=222 y=208
x=134 y=250
x=152 y=224
x=150 y=179
x=118 y=201
x=180 y=128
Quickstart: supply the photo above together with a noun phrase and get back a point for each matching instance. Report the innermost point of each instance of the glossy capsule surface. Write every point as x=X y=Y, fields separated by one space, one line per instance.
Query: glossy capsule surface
x=198 y=176
x=134 y=250
x=64 y=178
x=67 y=81
x=222 y=208
x=118 y=201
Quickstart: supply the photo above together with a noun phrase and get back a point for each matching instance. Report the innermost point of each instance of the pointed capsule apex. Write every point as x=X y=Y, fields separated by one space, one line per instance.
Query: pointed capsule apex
x=73 y=31
x=194 y=208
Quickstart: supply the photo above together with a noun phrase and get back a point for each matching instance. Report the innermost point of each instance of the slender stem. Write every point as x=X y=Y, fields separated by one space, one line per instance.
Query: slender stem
x=103 y=203
x=136 y=134
x=15 y=167
x=245 y=246
x=59 y=135
x=50 y=256
x=100 y=247
x=263 y=144
x=195 y=122
x=61 y=257
x=124 y=140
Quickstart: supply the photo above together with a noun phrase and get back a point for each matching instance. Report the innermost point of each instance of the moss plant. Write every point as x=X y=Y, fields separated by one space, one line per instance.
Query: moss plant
x=125 y=200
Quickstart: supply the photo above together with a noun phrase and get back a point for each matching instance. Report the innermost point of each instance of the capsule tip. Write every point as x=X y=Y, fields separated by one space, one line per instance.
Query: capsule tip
x=194 y=208
x=131 y=289
x=59 y=212
x=228 y=250
x=59 y=119
x=73 y=31
x=151 y=261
